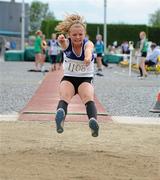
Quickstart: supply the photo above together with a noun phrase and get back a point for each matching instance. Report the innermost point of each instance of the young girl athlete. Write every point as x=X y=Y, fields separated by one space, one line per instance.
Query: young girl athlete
x=143 y=52
x=78 y=70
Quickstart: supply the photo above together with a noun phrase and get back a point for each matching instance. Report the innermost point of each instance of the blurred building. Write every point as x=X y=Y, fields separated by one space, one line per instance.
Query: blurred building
x=10 y=18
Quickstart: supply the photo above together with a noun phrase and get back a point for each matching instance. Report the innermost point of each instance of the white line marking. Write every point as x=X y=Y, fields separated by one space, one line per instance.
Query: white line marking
x=136 y=120
x=9 y=117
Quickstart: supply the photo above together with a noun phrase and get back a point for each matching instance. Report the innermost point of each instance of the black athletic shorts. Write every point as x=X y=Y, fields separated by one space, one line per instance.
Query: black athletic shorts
x=77 y=81
x=99 y=54
x=53 y=59
x=144 y=54
x=149 y=63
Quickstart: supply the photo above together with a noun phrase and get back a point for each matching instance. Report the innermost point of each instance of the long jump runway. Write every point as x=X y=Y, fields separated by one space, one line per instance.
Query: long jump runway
x=42 y=106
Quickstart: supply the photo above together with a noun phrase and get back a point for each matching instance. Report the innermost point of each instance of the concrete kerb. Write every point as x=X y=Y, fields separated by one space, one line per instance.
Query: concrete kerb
x=9 y=117
x=132 y=120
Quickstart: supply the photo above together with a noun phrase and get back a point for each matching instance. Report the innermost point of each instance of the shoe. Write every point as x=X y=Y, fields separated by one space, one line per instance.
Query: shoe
x=60 y=115
x=94 y=127
x=99 y=74
x=141 y=77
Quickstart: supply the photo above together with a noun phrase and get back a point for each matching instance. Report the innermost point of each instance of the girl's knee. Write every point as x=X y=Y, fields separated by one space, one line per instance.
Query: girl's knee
x=85 y=98
x=66 y=97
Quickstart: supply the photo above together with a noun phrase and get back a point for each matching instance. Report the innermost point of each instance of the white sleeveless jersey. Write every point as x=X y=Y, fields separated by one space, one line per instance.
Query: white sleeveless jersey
x=54 y=47
x=73 y=65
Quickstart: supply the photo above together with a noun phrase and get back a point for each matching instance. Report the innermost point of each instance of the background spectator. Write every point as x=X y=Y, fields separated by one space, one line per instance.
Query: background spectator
x=53 y=52
x=151 y=60
x=38 y=50
x=143 y=53
x=125 y=47
x=44 y=49
x=7 y=45
x=99 y=50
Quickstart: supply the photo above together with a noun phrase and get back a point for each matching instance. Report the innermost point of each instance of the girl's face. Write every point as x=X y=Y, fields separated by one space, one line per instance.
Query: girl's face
x=142 y=35
x=53 y=36
x=77 y=34
x=99 y=37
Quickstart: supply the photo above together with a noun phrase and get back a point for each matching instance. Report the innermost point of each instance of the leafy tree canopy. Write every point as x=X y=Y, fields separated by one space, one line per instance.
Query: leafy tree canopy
x=154 y=19
x=38 y=12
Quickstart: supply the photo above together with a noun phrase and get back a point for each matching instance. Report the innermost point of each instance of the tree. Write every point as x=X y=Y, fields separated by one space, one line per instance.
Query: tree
x=48 y=27
x=155 y=19
x=38 y=12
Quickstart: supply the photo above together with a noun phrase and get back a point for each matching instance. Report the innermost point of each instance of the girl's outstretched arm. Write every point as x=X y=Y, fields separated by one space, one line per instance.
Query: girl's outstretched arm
x=88 y=53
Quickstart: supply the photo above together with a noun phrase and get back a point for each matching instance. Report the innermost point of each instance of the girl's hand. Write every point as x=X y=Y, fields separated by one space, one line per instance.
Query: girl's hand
x=87 y=61
x=61 y=38
x=62 y=41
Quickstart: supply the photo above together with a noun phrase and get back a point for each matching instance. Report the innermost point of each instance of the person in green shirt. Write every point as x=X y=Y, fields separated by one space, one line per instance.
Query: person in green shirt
x=143 y=53
x=38 y=49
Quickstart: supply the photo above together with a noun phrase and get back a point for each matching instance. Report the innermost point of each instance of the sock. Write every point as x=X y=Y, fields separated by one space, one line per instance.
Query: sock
x=141 y=73
x=99 y=69
x=63 y=104
x=91 y=109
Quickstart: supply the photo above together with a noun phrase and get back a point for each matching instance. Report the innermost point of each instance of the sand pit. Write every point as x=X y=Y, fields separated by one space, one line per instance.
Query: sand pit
x=34 y=151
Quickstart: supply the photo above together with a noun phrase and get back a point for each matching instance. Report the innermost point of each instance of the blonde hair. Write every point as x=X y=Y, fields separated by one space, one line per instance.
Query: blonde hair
x=38 y=32
x=73 y=19
x=142 y=33
x=54 y=35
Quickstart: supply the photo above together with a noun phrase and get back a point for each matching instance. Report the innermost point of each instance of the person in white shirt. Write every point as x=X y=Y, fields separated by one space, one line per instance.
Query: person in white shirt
x=53 y=51
x=151 y=60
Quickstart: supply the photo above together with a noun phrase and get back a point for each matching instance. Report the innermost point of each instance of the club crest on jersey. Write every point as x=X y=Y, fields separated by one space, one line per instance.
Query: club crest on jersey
x=68 y=53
